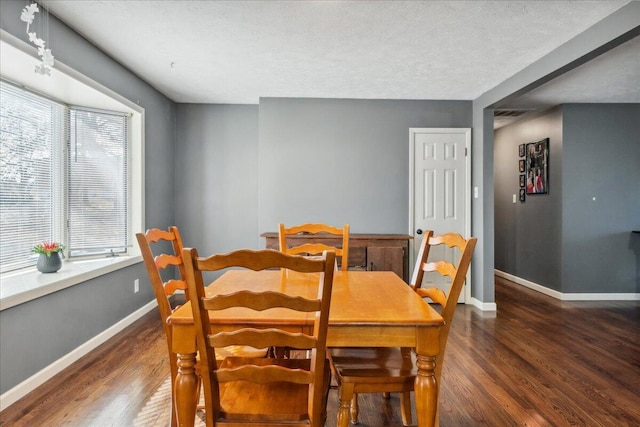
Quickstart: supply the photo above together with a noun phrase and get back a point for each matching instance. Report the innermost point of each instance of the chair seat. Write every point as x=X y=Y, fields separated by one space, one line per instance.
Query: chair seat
x=275 y=401
x=373 y=364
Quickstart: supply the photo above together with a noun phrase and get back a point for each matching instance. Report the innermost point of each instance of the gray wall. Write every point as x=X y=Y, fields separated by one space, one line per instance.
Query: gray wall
x=565 y=240
x=216 y=186
x=602 y=160
x=60 y=322
x=342 y=160
x=242 y=169
x=528 y=236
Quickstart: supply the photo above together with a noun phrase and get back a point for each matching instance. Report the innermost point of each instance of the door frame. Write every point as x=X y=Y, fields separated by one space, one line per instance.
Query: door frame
x=467 y=189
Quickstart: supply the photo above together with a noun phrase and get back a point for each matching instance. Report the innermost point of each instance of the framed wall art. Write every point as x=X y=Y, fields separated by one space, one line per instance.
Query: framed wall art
x=537 y=167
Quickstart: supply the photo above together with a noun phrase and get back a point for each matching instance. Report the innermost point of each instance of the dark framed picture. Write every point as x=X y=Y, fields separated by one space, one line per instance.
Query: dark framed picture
x=522 y=195
x=521 y=150
x=537 y=167
x=521 y=165
x=522 y=181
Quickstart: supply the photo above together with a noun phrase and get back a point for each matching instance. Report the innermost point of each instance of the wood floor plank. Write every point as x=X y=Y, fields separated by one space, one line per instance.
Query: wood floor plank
x=535 y=362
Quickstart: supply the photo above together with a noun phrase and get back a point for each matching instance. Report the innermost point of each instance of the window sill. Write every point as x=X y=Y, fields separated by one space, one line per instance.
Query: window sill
x=26 y=285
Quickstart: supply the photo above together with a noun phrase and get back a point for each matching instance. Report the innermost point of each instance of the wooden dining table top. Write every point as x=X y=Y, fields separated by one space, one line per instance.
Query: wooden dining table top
x=361 y=301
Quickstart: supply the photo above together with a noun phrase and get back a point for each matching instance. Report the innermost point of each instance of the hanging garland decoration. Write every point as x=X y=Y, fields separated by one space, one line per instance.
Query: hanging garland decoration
x=28 y=14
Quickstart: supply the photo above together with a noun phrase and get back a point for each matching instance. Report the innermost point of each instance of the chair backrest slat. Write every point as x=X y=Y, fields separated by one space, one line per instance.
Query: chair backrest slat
x=262 y=338
x=165 y=260
x=265 y=374
x=172 y=286
x=246 y=258
x=261 y=301
x=154 y=235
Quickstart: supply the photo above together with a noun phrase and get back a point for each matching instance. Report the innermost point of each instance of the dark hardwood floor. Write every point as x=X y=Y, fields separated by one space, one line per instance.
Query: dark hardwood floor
x=537 y=361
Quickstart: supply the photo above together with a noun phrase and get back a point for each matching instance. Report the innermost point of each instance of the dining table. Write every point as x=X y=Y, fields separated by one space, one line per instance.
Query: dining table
x=368 y=309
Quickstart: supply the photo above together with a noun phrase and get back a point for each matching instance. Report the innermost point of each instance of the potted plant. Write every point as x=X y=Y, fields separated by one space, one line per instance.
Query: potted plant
x=49 y=259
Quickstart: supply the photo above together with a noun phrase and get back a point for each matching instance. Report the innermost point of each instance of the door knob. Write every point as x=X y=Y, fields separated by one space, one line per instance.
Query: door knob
x=419 y=231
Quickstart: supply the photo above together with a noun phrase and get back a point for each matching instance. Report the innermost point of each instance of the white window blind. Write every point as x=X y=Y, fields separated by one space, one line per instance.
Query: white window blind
x=97 y=164
x=63 y=177
x=31 y=174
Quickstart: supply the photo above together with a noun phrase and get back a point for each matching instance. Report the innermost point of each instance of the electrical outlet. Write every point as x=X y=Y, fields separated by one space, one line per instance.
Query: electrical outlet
x=136 y=286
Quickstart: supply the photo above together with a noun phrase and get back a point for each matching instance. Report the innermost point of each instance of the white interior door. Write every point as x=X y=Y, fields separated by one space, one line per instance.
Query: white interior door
x=440 y=190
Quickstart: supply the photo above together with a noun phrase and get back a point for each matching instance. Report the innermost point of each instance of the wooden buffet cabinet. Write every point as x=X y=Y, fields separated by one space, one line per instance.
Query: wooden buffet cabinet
x=387 y=252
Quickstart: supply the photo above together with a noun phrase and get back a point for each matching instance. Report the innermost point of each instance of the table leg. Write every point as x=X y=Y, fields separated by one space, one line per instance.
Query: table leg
x=186 y=390
x=428 y=347
x=426 y=391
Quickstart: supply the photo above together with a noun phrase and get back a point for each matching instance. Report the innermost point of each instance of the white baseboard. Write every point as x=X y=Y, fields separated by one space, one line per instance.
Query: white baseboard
x=25 y=387
x=569 y=296
x=601 y=297
x=484 y=306
x=528 y=284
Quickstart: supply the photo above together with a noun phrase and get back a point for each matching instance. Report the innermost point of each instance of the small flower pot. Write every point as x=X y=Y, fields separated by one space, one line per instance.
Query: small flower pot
x=49 y=264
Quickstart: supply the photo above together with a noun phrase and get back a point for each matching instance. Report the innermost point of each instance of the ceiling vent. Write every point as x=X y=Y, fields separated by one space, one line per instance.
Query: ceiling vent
x=510 y=113
x=506 y=116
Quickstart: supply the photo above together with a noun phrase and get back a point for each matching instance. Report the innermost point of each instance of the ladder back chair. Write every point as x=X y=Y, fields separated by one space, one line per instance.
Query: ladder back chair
x=388 y=370
x=165 y=289
x=162 y=289
x=320 y=230
x=244 y=391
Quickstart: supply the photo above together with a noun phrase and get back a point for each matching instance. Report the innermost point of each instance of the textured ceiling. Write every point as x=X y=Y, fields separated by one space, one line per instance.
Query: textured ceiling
x=611 y=77
x=237 y=52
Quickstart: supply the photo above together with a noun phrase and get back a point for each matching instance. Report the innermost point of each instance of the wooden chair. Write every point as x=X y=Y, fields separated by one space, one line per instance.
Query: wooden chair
x=262 y=391
x=162 y=289
x=165 y=289
x=321 y=230
x=387 y=370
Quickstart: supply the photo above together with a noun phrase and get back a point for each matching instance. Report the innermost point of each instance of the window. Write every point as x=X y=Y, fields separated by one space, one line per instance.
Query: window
x=97 y=183
x=64 y=176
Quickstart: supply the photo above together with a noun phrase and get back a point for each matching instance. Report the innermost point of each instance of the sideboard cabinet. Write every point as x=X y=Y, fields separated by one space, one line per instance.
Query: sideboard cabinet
x=387 y=252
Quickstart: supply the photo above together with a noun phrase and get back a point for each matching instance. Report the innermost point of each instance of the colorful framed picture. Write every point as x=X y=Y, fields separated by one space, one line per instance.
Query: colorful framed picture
x=537 y=167
x=521 y=150
x=521 y=165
